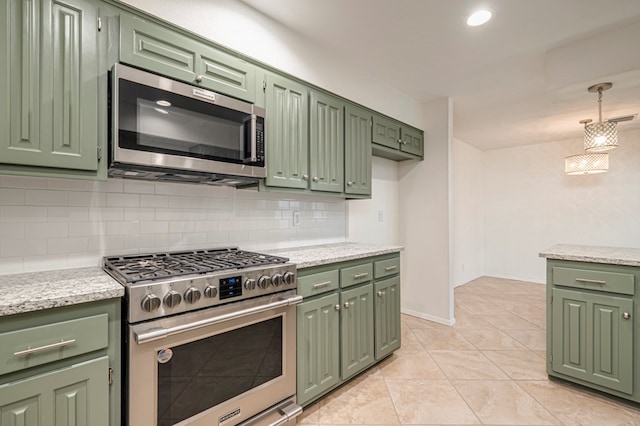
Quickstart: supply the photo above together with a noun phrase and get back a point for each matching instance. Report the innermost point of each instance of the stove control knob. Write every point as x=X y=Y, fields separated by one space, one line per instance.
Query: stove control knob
x=263 y=281
x=276 y=280
x=192 y=295
x=250 y=284
x=150 y=303
x=210 y=291
x=172 y=299
x=289 y=278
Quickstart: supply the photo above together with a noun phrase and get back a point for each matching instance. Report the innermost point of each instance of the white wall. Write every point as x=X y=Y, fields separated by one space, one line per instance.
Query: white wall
x=467 y=214
x=376 y=220
x=425 y=197
x=530 y=204
x=48 y=223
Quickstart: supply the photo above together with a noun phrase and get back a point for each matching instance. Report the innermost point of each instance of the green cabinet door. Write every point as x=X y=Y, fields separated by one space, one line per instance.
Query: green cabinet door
x=318 y=365
x=387 y=316
x=592 y=338
x=287 y=124
x=356 y=326
x=50 y=84
x=386 y=132
x=224 y=73
x=72 y=396
x=412 y=141
x=357 y=151
x=326 y=143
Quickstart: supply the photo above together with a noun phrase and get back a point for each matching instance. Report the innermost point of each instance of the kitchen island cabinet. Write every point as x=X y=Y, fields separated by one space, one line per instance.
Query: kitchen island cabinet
x=593 y=317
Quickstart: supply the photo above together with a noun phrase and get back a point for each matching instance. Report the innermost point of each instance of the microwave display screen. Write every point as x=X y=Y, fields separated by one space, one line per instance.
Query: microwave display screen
x=154 y=120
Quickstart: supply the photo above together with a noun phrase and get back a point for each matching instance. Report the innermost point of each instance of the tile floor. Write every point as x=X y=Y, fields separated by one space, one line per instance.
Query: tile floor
x=489 y=368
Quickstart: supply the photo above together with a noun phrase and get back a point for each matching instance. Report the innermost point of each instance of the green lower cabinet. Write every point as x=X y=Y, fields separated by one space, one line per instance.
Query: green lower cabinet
x=387 y=316
x=593 y=338
x=356 y=326
x=72 y=396
x=318 y=347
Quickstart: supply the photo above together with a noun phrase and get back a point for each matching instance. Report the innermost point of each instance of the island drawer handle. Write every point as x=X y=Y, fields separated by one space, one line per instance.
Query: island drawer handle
x=323 y=284
x=587 y=280
x=390 y=268
x=362 y=275
x=44 y=348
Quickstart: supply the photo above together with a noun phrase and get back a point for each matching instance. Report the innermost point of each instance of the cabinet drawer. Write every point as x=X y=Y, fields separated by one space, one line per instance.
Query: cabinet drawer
x=384 y=268
x=356 y=275
x=612 y=282
x=318 y=283
x=29 y=347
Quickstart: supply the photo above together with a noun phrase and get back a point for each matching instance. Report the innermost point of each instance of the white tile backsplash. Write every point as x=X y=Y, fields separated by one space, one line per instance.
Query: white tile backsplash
x=50 y=223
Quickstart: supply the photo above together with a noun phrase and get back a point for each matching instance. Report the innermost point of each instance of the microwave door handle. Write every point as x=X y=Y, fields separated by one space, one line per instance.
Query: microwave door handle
x=254 y=120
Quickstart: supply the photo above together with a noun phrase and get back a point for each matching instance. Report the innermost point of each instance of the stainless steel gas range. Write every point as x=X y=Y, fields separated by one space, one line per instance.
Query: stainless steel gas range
x=210 y=338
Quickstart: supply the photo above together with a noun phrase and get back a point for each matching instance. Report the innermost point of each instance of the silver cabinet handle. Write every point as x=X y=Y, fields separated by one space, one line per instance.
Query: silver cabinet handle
x=337 y=307
x=323 y=284
x=358 y=276
x=305 y=177
x=380 y=294
x=315 y=178
x=349 y=183
x=199 y=78
x=399 y=141
x=390 y=268
x=254 y=148
x=626 y=315
x=45 y=348
x=346 y=305
x=587 y=280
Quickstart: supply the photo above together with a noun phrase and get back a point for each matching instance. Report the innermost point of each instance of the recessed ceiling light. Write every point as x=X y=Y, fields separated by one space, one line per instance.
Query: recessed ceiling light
x=479 y=17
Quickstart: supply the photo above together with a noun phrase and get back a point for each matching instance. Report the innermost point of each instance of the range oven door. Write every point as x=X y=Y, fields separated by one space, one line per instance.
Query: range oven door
x=162 y=123
x=217 y=366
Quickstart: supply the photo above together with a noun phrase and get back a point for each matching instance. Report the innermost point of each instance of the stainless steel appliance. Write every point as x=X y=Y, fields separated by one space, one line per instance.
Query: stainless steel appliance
x=162 y=129
x=210 y=338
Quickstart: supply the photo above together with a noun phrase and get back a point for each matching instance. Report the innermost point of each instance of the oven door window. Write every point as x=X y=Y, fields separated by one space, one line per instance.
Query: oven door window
x=154 y=120
x=202 y=374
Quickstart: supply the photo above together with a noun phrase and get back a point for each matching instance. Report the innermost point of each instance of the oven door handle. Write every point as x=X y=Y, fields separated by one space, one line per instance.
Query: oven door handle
x=156 y=333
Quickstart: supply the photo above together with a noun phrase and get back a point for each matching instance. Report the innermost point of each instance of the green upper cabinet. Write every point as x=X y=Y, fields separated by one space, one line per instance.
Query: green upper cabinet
x=163 y=50
x=357 y=150
x=287 y=124
x=49 y=84
x=326 y=142
x=395 y=140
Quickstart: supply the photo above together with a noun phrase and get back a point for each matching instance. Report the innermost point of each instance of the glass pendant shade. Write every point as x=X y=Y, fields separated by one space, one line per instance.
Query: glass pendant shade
x=585 y=164
x=601 y=136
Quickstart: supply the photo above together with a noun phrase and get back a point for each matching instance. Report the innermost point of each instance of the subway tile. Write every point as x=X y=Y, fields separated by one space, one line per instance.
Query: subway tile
x=109 y=185
x=11 y=231
x=123 y=228
x=22 y=247
x=43 y=231
x=27 y=214
x=138 y=241
x=39 y=197
x=69 y=184
x=45 y=263
x=32 y=182
x=87 y=198
x=67 y=214
x=195 y=215
x=181 y=226
x=67 y=245
x=106 y=244
x=11 y=265
x=87 y=229
x=12 y=196
x=123 y=200
x=147 y=200
x=139 y=187
x=139 y=213
x=84 y=260
x=169 y=214
x=197 y=240
x=106 y=214
x=159 y=227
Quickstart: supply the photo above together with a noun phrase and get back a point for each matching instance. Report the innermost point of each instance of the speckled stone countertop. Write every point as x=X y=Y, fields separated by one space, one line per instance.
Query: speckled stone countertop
x=596 y=254
x=307 y=256
x=35 y=291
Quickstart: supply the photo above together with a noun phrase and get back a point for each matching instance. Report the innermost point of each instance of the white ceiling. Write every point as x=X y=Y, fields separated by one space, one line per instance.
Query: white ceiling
x=520 y=79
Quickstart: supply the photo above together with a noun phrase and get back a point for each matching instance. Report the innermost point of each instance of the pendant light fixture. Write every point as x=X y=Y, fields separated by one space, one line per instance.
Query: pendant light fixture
x=586 y=164
x=600 y=136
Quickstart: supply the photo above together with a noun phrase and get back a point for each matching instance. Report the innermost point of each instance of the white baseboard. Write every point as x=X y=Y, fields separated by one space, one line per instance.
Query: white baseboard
x=439 y=320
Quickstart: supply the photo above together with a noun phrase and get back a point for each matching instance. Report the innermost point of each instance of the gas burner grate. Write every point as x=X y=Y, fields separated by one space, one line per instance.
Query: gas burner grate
x=154 y=266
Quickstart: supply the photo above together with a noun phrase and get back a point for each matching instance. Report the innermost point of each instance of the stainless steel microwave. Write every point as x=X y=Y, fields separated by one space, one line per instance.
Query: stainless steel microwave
x=162 y=129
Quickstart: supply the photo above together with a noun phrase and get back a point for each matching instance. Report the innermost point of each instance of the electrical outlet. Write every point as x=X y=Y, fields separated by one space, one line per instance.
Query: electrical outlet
x=296 y=219
x=380 y=216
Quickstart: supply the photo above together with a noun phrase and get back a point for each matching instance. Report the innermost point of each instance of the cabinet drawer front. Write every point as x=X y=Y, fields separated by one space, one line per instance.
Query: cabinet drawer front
x=52 y=342
x=356 y=275
x=384 y=268
x=594 y=280
x=318 y=283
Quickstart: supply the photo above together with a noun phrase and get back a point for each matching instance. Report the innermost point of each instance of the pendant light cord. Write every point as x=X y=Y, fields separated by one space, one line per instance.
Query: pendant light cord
x=600 y=105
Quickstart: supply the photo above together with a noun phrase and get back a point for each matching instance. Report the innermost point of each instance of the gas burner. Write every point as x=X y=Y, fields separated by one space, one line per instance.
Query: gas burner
x=148 y=267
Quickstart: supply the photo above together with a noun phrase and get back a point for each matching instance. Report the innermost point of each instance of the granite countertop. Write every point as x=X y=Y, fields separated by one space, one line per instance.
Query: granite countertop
x=596 y=254
x=35 y=291
x=307 y=256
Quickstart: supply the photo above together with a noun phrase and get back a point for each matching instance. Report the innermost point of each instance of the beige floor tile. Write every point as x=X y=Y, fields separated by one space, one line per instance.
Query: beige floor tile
x=467 y=365
x=426 y=402
x=442 y=339
x=491 y=339
x=503 y=402
x=411 y=365
x=310 y=415
x=505 y=320
x=465 y=320
x=534 y=340
x=418 y=323
x=409 y=341
x=519 y=365
x=574 y=406
x=362 y=401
